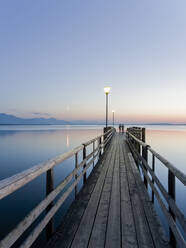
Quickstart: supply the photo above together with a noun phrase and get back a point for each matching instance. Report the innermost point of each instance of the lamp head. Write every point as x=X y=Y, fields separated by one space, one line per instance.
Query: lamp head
x=107 y=90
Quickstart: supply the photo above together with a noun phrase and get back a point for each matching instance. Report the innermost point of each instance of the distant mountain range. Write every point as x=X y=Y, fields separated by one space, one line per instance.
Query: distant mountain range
x=13 y=120
x=6 y=119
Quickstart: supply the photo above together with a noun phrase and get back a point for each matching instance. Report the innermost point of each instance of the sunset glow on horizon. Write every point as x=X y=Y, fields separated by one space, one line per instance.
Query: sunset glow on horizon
x=57 y=57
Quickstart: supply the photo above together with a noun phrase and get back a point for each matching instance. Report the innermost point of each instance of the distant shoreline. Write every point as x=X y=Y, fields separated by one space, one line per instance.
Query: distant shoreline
x=93 y=124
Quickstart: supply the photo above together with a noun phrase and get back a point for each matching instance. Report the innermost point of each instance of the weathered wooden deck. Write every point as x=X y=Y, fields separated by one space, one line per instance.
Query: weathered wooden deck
x=113 y=209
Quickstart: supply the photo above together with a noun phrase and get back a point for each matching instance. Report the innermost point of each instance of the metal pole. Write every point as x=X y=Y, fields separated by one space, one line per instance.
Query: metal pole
x=113 y=118
x=106 y=109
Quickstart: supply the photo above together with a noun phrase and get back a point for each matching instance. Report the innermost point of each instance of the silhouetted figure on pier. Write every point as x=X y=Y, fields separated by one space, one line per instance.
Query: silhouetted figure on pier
x=121 y=128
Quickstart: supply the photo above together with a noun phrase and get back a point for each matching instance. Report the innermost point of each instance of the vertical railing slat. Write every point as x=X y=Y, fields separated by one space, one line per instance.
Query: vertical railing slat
x=76 y=176
x=153 y=168
x=49 y=189
x=93 y=153
x=172 y=193
x=144 y=153
x=84 y=157
x=100 y=147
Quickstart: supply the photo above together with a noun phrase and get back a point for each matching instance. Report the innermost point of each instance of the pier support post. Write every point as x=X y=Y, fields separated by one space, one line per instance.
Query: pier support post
x=153 y=168
x=49 y=189
x=143 y=135
x=84 y=157
x=144 y=153
x=93 y=153
x=76 y=165
x=139 y=137
x=100 y=144
x=145 y=156
x=172 y=193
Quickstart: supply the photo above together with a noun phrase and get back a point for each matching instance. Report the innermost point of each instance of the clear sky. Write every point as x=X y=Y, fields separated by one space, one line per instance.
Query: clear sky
x=56 y=56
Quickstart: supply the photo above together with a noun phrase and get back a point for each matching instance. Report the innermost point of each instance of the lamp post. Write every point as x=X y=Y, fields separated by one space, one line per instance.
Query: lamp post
x=113 y=117
x=107 y=91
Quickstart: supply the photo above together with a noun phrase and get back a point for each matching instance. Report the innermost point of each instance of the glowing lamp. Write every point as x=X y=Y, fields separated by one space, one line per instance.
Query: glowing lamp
x=107 y=90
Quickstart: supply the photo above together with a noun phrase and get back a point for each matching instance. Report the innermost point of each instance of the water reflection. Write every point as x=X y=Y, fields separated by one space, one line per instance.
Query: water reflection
x=23 y=147
x=171 y=144
x=20 y=150
x=68 y=141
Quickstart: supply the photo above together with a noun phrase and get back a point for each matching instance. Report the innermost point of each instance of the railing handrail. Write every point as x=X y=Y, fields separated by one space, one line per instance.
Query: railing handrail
x=178 y=173
x=13 y=183
x=172 y=213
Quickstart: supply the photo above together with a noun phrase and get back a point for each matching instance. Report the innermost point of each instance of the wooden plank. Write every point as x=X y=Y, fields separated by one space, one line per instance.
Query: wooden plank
x=128 y=231
x=113 y=235
x=142 y=229
x=66 y=231
x=98 y=234
x=84 y=231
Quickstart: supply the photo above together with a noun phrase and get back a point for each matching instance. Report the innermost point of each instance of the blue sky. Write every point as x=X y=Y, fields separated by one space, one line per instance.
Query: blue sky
x=56 y=57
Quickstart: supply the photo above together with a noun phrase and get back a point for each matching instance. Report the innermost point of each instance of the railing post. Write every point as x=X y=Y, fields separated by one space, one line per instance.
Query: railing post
x=143 y=134
x=145 y=156
x=172 y=193
x=105 y=130
x=144 y=153
x=138 y=145
x=93 y=153
x=49 y=189
x=153 y=168
x=104 y=138
x=84 y=157
x=100 y=144
x=76 y=165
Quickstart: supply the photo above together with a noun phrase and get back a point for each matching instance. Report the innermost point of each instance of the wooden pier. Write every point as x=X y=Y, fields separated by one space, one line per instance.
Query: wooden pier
x=113 y=208
x=117 y=213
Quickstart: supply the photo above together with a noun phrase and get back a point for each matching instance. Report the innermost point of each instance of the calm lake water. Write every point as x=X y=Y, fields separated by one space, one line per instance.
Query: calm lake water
x=21 y=147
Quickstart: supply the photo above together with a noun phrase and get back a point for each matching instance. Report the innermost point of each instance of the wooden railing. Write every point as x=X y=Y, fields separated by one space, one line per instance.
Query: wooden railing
x=17 y=181
x=140 y=150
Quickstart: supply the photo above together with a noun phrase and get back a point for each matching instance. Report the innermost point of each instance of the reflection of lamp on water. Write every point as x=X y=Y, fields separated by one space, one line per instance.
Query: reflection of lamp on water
x=67 y=141
x=107 y=91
